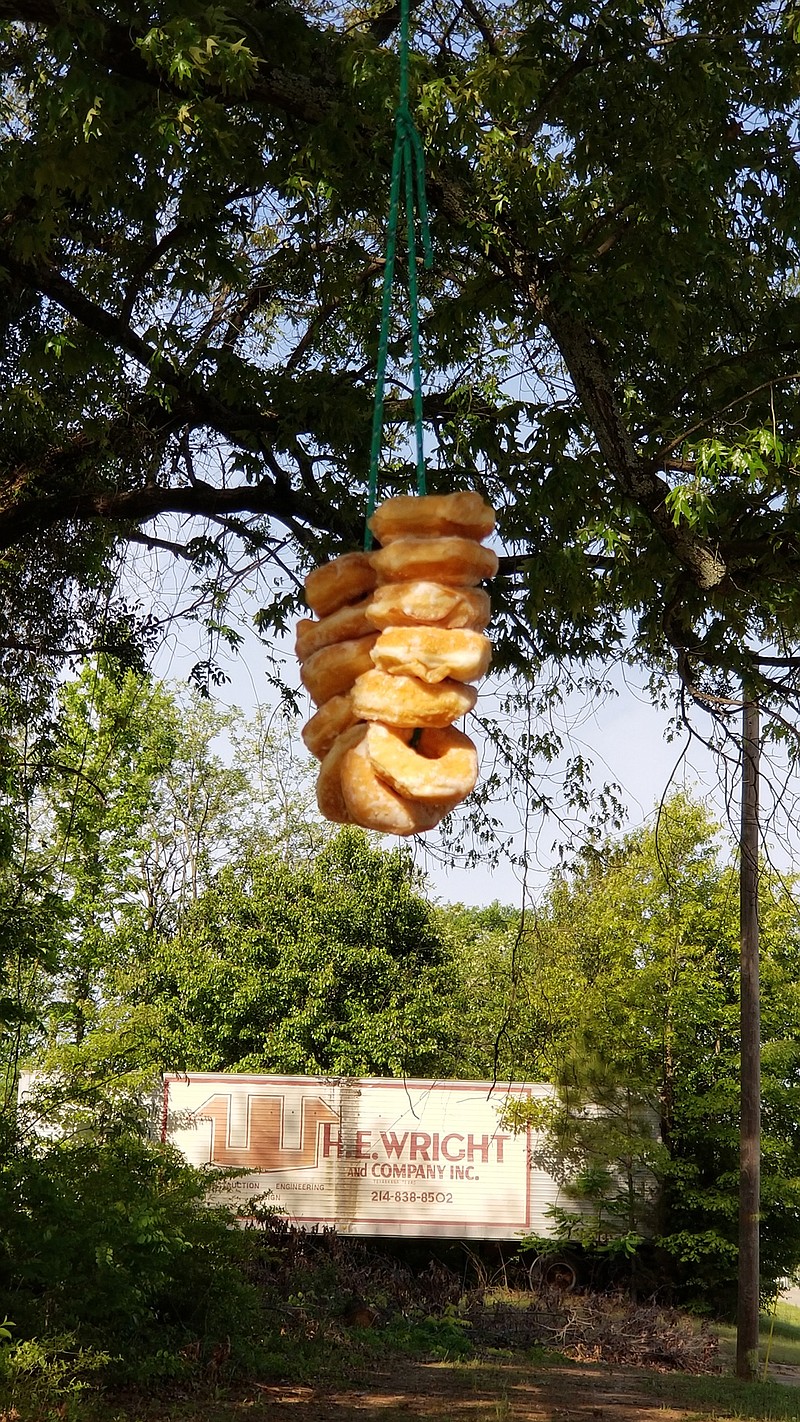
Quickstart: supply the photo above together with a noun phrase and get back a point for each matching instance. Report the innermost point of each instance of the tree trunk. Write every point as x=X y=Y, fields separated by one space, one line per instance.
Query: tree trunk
x=750 y=1137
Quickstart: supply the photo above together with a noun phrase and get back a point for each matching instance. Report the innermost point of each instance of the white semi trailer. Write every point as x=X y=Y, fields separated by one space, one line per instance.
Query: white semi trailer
x=368 y=1157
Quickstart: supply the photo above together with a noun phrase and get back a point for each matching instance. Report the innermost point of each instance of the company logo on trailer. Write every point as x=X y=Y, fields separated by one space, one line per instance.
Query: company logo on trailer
x=393 y=1154
x=263 y=1147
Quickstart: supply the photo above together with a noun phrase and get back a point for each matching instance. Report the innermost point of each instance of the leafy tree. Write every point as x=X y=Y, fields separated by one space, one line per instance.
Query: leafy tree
x=281 y=811
x=33 y=920
x=333 y=965
x=129 y=812
x=144 y=806
x=193 y=200
x=209 y=920
x=506 y=1018
x=112 y=1258
x=117 y=738
x=636 y=958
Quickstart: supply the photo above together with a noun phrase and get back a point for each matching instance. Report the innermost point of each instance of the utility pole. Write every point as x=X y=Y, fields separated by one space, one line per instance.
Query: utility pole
x=750 y=1013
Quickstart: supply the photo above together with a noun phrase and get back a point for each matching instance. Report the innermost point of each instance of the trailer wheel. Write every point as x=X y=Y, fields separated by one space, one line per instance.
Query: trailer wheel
x=552 y=1273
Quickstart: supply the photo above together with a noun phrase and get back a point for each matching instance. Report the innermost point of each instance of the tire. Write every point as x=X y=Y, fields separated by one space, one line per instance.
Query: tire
x=553 y=1273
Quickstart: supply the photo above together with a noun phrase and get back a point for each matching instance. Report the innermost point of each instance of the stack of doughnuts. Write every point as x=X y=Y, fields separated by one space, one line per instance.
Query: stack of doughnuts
x=390 y=661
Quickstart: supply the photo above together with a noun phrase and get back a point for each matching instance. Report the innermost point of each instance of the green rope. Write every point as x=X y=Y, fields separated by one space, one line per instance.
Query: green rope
x=408 y=163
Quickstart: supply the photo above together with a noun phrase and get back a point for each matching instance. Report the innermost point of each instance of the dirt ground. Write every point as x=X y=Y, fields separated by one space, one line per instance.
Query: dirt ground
x=473 y=1393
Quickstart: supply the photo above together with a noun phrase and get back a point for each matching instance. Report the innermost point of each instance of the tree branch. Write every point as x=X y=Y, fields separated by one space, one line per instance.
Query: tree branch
x=147 y=502
x=328 y=309
x=314 y=101
x=50 y=282
x=383 y=26
x=482 y=25
x=177 y=550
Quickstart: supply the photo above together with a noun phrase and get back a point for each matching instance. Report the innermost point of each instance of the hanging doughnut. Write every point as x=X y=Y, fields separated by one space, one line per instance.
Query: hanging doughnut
x=341 y=626
x=374 y=805
x=333 y=717
x=329 y=780
x=332 y=670
x=457 y=561
x=407 y=701
x=388 y=658
x=344 y=580
x=438 y=764
x=429 y=605
x=432 y=516
x=433 y=653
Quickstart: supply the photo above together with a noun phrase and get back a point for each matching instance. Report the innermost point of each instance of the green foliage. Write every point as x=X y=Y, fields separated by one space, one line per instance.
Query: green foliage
x=330 y=966
x=33 y=915
x=55 y=1373
x=206 y=918
x=194 y=199
x=126 y=802
x=112 y=1259
x=494 y=1012
x=434 y=1337
x=634 y=961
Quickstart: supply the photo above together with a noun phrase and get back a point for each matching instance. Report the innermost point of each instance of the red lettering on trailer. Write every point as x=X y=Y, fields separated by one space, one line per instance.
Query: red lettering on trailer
x=330 y=1143
x=394 y=1144
x=401 y=1140
x=481 y=1147
x=459 y=1154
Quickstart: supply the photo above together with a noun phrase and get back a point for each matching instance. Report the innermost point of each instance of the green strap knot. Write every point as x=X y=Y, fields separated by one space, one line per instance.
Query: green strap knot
x=408 y=169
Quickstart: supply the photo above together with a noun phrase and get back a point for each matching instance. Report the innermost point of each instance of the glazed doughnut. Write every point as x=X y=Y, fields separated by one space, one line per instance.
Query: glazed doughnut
x=329 y=781
x=433 y=653
x=341 y=626
x=333 y=717
x=432 y=516
x=406 y=701
x=332 y=670
x=344 y=580
x=389 y=657
x=373 y=805
x=440 y=764
x=459 y=561
x=428 y=605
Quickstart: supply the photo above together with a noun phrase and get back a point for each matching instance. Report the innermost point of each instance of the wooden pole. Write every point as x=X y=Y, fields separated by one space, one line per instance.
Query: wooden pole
x=750 y=1011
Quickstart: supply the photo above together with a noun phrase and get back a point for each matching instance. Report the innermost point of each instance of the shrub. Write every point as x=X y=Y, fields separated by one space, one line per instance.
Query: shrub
x=112 y=1243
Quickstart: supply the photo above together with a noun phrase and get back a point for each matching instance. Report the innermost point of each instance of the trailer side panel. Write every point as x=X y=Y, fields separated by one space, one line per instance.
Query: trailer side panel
x=371 y=1157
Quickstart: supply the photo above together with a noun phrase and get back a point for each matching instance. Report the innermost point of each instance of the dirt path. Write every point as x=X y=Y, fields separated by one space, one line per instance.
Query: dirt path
x=473 y=1393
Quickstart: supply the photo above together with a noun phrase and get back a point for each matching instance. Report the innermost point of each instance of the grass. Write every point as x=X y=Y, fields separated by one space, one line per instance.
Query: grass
x=784 y=1350
x=487 y=1394
x=786 y=1335
x=729 y=1397
x=726 y=1397
x=486 y=1389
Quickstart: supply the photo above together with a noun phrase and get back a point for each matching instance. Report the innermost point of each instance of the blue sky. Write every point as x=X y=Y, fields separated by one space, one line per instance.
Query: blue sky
x=624 y=737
